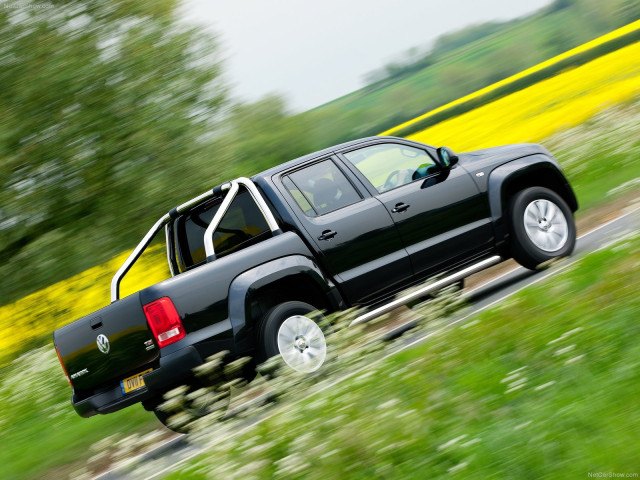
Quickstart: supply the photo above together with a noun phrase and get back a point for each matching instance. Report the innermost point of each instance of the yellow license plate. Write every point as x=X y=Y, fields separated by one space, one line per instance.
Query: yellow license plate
x=133 y=382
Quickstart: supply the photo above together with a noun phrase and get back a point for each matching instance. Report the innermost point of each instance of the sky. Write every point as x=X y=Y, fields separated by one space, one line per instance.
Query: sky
x=314 y=51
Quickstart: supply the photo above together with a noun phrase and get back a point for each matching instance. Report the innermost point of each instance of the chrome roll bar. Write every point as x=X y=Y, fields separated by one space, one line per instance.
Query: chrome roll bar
x=226 y=203
x=232 y=188
x=217 y=218
x=135 y=255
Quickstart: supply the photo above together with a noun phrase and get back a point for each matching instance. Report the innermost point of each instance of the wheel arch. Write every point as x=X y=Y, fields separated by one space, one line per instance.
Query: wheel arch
x=510 y=178
x=259 y=289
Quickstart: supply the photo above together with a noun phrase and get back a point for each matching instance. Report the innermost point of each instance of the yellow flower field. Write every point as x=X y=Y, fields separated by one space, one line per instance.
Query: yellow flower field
x=34 y=317
x=536 y=68
x=544 y=108
x=528 y=115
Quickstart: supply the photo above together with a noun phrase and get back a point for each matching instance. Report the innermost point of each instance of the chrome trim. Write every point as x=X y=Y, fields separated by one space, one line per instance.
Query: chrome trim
x=262 y=205
x=233 y=187
x=476 y=267
x=133 y=256
x=194 y=201
x=217 y=218
x=208 y=233
x=168 y=244
x=144 y=243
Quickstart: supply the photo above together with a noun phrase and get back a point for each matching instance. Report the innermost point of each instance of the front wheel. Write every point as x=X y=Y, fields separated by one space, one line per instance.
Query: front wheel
x=541 y=227
x=288 y=330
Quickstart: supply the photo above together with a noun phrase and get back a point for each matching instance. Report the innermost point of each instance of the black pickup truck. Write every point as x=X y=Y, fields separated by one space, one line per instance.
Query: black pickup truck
x=351 y=225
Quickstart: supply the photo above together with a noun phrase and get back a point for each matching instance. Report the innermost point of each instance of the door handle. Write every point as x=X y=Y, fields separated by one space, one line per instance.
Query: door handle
x=327 y=235
x=400 y=207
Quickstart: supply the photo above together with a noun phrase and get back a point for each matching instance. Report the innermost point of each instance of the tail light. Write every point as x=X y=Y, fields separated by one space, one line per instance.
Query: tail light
x=164 y=321
x=63 y=367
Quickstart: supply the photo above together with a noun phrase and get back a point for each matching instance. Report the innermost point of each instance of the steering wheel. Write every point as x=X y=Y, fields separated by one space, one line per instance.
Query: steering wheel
x=391 y=181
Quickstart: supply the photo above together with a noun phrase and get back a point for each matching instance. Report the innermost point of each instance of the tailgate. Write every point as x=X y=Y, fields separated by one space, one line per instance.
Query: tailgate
x=108 y=345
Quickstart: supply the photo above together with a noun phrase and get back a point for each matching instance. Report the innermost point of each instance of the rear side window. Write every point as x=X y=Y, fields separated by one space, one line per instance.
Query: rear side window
x=320 y=188
x=242 y=226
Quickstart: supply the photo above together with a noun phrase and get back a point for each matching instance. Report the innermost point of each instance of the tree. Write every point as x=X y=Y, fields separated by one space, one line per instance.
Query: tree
x=263 y=134
x=451 y=41
x=101 y=102
x=411 y=61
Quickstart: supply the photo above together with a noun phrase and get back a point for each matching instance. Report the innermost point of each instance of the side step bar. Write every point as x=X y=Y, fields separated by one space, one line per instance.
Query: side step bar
x=443 y=282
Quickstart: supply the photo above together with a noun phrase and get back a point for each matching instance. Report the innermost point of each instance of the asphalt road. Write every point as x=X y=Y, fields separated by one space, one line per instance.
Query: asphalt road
x=171 y=455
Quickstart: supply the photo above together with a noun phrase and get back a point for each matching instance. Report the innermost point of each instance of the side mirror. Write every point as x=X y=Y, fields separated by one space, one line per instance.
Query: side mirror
x=447 y=157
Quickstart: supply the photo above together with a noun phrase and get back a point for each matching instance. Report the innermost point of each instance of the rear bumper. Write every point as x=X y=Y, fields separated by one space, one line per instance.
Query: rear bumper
x=172 y=371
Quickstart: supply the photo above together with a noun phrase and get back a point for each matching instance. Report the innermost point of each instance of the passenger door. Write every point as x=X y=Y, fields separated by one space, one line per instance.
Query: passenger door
x=440 y=213
x=355 y=234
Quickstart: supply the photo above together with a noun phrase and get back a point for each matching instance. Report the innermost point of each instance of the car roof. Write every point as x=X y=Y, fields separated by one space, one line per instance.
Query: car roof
x=320 y=153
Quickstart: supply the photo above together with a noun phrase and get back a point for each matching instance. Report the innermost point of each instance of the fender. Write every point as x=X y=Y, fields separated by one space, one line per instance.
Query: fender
x=527 y=171
x=246 y=284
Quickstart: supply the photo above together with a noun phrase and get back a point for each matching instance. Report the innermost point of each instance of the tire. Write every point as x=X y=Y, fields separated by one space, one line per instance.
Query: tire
x=300 y=341
x=190 y=412
x=163 y=417
x=200 y=397
x=541 y=226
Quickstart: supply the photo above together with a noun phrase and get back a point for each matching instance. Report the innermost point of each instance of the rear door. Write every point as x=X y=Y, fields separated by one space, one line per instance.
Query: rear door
x=440 y=213
x=358 y=241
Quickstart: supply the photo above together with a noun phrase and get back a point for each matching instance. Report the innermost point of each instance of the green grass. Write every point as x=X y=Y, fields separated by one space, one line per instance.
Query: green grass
x=602 y=155
x=543 y=386
x=42 y=436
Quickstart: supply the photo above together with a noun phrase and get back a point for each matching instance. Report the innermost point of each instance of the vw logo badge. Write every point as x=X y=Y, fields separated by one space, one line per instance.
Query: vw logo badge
x=103 y=343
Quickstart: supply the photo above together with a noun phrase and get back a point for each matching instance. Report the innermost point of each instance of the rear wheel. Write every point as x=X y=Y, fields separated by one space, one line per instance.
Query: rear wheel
x=180 y=416
x=541 y=226
x=164 y=417
x=289 y=331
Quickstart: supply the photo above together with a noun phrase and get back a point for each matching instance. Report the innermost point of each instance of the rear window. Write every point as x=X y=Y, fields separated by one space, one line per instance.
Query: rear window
x=243 y=225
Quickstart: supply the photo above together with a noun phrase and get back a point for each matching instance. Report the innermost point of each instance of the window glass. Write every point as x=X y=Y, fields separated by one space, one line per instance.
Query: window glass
x=191 y=230
x=321 y=188
x=391 y=165
x=300 y=199
x=240 y=227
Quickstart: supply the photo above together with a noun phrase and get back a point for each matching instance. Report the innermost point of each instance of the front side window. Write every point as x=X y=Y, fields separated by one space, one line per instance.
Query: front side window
x=391 y=165
x=320 y=188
